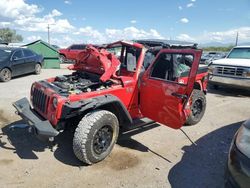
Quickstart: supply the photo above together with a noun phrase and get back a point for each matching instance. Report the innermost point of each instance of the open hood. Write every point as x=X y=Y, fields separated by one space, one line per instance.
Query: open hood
x=98 y=61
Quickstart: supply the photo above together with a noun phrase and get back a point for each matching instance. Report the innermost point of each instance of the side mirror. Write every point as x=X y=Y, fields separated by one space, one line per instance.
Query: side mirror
x=14 y=58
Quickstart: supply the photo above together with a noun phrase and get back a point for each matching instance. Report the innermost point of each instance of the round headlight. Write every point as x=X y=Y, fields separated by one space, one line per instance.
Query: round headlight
x=32 y=88
x=210 y=69
x=55 y=102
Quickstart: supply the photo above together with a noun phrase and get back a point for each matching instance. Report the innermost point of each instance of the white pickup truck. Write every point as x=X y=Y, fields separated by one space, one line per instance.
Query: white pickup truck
x=233 y=71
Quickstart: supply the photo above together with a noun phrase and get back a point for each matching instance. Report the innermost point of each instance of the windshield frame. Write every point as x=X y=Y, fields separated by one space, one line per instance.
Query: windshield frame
x=229 y=56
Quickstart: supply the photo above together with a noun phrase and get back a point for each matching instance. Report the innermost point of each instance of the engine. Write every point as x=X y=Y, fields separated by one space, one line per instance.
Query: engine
x=79 y=82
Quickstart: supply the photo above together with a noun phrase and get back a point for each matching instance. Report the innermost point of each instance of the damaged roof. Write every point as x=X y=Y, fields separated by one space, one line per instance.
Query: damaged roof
x=167 y=43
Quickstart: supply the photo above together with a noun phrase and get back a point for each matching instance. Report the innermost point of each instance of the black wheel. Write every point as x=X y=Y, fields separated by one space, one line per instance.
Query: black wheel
x=62 y=58
x=5 y=75
x=198 y=107
x=38 y=68
x=95 y=136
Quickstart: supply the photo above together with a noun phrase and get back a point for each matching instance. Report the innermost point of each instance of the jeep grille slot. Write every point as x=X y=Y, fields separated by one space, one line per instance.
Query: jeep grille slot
x=229 y=71
x=40 y=100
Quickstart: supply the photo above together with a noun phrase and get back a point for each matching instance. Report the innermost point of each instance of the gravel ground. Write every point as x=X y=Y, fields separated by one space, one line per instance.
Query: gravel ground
x=155 y=156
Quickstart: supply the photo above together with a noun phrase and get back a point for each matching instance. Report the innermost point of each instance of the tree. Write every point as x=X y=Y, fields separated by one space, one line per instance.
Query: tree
x=216 y=48
x=9 y=35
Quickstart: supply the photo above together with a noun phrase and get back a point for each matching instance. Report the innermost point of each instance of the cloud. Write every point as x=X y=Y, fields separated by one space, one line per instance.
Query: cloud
x=193 y=0
x=65 y=40
x=184 y=20
x=185 y=37
x=55 y=13
x=180 y=7
x=23 y=16
x=133 y=21
x=227 y=36
x=68 y=2
x=17 y=8
x=34 y=38
x=111 y=34
x=129 y=33
x=190 y=5
x=5 y=24
x=94 y=36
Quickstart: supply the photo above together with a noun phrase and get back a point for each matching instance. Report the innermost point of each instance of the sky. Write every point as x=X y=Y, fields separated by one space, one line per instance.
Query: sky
x=78 y=21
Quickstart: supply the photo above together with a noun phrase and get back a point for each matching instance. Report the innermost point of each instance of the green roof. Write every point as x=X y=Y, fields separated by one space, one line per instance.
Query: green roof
x=42 y=42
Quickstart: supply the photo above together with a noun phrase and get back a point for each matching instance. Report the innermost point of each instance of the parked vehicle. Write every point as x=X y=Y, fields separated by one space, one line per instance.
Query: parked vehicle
x=71 y=53
x=233 y=71
x=208 y=57
x=109 y=93
x=238 y=165
x=18 y=61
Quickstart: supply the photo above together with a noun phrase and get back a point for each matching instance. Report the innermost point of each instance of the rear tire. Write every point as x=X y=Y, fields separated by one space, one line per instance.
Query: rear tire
x=198 y=107
x=5 y=75
x=38 y=68
x=95 y=136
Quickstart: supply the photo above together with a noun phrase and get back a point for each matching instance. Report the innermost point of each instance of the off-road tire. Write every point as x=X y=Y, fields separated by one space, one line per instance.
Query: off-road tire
x=84 y=141
x=198 y=98
x=38 y=69
x=5 y=75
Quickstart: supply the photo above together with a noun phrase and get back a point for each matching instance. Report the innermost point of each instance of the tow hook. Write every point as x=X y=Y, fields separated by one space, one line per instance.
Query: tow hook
x=22 y=126
x=19 y=126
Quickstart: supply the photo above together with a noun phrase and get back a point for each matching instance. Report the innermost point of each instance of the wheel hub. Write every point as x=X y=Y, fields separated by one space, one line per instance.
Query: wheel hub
x=6 y=75
x=197 y=108
x=102 y=139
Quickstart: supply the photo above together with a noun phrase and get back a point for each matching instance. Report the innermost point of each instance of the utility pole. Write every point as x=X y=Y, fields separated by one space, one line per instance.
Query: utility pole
x=48 y=34
x=237 y=37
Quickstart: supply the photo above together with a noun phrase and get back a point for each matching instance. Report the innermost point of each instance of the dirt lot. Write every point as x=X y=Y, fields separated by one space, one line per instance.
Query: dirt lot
x=155 y=156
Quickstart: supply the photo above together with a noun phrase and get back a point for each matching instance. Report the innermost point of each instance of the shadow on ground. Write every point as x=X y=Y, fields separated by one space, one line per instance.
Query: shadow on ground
x=20 y=142
x=26 y=145
x=203 y=165
x=126 y=140
x=228 y=91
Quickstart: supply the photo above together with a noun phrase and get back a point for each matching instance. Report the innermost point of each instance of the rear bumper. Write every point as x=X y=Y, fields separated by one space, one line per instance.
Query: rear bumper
x=230 y=81
x=42 y=128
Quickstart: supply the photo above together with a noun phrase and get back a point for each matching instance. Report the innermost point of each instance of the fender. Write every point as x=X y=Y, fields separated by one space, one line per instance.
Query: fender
x=107 y=102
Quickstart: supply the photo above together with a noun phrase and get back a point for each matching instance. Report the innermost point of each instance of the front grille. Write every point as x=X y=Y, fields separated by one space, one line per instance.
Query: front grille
x=229 y=71
x=40 y=100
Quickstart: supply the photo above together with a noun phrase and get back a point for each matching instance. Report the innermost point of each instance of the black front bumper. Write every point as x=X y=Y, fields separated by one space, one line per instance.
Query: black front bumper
x=42 y=128
x=238 y=168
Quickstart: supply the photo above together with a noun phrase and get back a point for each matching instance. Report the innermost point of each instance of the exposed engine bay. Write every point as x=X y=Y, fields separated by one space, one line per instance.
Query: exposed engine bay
x=78 y=82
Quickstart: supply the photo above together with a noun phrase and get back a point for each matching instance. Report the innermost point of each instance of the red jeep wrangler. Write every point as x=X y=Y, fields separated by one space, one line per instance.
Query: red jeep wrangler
x=115 y=86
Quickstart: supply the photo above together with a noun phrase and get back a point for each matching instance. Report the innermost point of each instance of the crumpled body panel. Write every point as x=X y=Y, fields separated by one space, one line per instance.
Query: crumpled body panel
x=98 y=61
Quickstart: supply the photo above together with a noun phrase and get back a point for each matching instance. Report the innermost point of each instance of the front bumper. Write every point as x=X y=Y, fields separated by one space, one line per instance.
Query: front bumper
x=237 y=170
x=42 y=128
x=230 y=81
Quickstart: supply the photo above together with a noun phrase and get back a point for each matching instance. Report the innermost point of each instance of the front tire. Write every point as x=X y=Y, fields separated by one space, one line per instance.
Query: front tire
x=5 y=75
x=198 y=107
x=95 y=136
x=38 y=68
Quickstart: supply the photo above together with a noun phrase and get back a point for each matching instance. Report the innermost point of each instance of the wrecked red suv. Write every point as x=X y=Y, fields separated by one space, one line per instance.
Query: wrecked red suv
x=114 y=87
